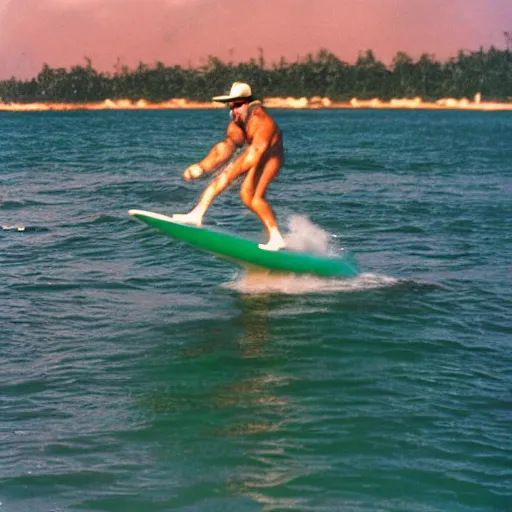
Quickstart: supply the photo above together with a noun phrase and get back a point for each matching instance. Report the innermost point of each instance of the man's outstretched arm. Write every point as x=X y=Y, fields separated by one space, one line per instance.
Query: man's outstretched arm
x=218 y=155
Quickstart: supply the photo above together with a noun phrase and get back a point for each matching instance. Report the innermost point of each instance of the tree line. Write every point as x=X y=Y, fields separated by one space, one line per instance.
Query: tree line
x=488 y=72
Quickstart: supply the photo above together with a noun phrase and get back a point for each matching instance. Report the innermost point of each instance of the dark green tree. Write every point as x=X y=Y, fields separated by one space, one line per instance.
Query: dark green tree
x=488 y=72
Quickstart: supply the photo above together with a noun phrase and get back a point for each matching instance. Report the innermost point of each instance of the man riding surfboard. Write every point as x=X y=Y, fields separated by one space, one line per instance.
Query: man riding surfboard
x=250 y=126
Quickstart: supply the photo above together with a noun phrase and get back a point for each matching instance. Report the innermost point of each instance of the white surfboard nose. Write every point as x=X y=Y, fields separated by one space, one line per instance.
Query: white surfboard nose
x=144 y=213
x=137 y=212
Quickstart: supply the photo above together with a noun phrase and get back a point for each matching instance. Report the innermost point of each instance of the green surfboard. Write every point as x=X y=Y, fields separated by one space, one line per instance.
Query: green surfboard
x=246 y=252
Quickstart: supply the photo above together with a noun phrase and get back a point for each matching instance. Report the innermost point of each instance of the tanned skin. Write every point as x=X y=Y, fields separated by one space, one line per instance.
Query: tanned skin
x=260 y=162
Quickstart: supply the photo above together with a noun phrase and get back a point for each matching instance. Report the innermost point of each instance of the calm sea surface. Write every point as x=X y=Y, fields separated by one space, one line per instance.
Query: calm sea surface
x=137 y=374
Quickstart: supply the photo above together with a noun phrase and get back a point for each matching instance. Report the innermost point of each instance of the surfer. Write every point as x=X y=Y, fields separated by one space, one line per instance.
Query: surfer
x=252 y=126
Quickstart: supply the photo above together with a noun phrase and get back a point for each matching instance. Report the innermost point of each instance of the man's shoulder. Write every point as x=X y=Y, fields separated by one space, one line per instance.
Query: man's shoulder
x=261 y=113
x=262 y=120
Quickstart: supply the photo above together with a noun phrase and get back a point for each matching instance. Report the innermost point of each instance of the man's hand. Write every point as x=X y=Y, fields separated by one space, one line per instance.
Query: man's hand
x=193 y=172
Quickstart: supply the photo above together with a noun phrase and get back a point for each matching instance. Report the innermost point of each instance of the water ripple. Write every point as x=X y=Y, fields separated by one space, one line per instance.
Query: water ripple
x=139 y=374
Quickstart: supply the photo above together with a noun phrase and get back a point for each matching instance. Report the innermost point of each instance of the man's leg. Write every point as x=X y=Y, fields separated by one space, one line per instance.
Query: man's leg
x=253 y=195
x=219 y=184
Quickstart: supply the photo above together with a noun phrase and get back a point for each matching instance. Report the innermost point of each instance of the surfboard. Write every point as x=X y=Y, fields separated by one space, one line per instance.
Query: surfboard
x=246 y=252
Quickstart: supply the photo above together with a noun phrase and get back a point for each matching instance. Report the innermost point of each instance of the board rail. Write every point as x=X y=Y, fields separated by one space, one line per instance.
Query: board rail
x=246 y=252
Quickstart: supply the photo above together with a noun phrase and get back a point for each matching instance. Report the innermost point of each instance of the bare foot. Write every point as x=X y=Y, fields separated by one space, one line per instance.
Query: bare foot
x=188 y=218
x=275 y=243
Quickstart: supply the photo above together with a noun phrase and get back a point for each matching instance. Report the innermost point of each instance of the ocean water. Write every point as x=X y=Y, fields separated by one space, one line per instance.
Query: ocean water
x=137 y=374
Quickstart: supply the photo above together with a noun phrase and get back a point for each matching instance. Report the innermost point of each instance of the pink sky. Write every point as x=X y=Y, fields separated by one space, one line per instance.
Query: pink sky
x=185 y=32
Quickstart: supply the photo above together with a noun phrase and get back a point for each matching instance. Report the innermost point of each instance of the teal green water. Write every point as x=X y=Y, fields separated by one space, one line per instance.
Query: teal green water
x=137 y=374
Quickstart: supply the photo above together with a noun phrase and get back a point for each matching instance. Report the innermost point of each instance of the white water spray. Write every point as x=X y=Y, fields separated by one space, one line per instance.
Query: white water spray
x=303 y=235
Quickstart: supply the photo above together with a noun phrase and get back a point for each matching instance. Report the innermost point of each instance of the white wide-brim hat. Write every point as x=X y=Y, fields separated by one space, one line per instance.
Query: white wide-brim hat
x=239 y=91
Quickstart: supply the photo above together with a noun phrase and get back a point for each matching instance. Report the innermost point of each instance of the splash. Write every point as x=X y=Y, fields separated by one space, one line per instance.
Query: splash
x=17 y=227
x=304 y=236
x=266 y=282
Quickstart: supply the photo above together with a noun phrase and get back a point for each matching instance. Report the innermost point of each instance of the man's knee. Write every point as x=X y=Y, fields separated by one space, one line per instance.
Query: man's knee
x=257 y=202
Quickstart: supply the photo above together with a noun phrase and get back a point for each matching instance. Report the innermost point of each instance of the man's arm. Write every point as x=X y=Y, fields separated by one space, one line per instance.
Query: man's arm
x=260 y=143
x=219 y=154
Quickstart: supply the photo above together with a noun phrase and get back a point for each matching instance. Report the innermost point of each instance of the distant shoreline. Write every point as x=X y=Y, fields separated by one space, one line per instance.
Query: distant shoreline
x=314 y=103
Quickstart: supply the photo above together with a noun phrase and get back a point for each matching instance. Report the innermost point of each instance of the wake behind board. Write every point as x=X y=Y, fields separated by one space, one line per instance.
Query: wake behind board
x=246 y=252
